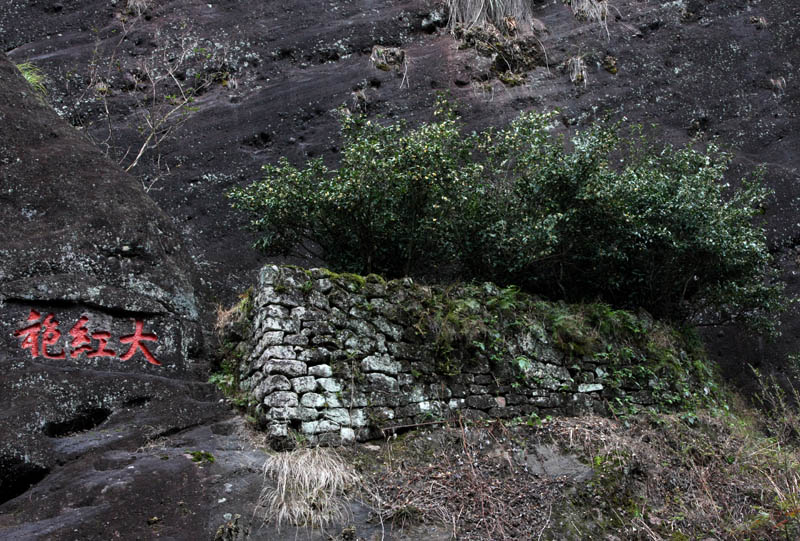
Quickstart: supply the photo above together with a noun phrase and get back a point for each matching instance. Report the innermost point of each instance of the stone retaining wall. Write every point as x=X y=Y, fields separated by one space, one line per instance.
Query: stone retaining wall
x=337 y=358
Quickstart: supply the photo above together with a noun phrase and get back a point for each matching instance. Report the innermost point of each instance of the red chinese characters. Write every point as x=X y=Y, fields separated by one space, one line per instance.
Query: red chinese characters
x=101 y=351
x=47 y=330
x=135 y=340
x=81 y=342
x=80 y=337
x=41 y=336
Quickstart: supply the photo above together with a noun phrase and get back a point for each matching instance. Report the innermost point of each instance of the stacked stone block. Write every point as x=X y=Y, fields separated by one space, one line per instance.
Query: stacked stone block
x=340 y=358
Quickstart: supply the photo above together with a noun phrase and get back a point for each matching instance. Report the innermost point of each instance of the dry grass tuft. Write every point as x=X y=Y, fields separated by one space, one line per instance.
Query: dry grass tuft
x=576 y=67
x=137 y=7
x=779 y=399
x=593 y=11
x=511 y=15
x=225 y=317
x=778 y=85
x=238 y=313
x=310 y=485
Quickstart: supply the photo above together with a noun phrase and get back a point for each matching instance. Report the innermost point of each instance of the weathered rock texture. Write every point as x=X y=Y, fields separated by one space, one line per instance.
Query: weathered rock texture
x=83 y=239
x=95 y=290
x=713 y=70
x=707 y=69
x=338 y=358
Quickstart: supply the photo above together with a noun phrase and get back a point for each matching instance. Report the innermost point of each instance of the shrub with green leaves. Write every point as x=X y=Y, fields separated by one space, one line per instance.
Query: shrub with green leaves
x=585 y=219
x=656 y=228
x=384 y=210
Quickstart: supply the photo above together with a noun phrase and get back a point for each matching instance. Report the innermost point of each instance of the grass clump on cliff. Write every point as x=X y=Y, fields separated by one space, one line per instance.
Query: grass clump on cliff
x=600 y=216
x=500 y=13
x=232 y=327
x=33 y=75
x=591 y=11
x=137 y=7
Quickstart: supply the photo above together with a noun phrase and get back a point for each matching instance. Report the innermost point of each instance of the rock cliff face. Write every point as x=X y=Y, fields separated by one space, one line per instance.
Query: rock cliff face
x=81 y=234
x=103 y=268
x=268 y=75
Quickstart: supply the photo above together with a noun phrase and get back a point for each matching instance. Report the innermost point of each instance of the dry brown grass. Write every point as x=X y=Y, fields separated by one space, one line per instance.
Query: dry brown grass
x=509 y=15
x=576 y=67
x=137 y=7
x=238 y=313
x=462 y=479
x=225 y=317
x=702 y=475
x=779 y=400
x=593 y=11
x=307 y=487
x=717 y=475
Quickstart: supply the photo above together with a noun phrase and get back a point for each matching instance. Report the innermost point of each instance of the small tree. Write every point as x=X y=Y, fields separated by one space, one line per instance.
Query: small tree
x=657 y=230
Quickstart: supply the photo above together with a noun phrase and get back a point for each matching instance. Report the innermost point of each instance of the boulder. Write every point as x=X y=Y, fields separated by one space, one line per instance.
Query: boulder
x=100 y=340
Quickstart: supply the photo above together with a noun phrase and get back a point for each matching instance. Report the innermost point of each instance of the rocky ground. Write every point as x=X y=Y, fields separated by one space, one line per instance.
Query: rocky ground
x=172 y=103
x=650 y=478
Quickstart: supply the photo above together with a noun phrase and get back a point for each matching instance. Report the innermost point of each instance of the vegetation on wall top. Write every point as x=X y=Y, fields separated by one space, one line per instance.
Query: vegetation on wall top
x=598 y=216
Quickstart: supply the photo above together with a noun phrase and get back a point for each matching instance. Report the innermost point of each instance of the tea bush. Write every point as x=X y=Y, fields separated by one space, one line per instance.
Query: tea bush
x=581 y=219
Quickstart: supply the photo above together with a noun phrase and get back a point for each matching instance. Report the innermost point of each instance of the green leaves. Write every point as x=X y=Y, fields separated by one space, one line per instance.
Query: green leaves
x=385 y=208
x=518 y=205
x=660 y=232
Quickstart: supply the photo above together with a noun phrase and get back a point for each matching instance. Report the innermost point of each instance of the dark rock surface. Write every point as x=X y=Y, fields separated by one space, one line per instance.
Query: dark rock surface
x=99 y=446
x=83 y=236
x=122 y=487
x=260 y=80
x=84 y=243
x=268 y=74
